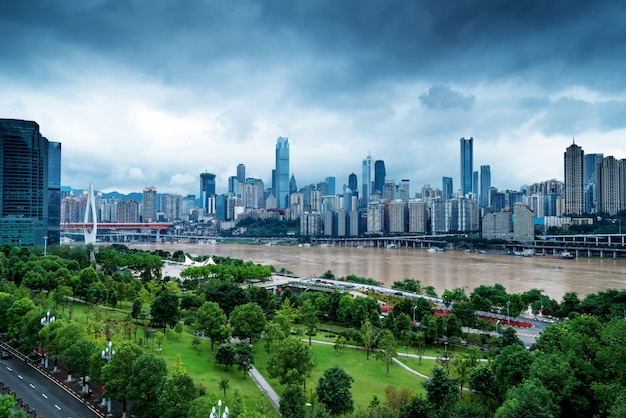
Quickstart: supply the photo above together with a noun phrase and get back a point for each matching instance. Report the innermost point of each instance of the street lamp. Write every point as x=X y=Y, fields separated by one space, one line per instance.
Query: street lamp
x=214 y=414
x=415 y=307
x=107 y=354
x=45 y=245
x=508 y=319
x=47 y=319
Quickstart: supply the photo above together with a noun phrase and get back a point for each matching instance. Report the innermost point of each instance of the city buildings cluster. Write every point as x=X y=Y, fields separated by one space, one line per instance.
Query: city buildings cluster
x=34 y=204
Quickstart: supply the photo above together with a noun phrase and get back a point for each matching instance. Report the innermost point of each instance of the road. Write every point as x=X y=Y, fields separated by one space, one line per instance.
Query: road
x=46 y=396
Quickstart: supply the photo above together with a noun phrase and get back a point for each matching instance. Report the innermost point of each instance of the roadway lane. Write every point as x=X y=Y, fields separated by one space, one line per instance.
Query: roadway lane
x=44 y=395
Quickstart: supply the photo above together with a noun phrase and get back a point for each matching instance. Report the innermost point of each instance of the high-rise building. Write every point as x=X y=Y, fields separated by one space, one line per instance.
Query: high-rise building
x=366 y=180
x=379 y=176
x=207 y=189
x=447 y=187
x=590 y=168
x=353 y=183
x=330 y=181
x=574 y=181
x=611 y=175
x=467 y=164
x=54 y=192
x=241 y=173
x=282 y=172
x=293 y=187
x=149 y=204
x=24 y=184
x=485 y=185
x=523 y=227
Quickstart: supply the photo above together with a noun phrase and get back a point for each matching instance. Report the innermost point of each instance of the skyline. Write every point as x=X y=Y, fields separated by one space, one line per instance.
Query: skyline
x=204 y=86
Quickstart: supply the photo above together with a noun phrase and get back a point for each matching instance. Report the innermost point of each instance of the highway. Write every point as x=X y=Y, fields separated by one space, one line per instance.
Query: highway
x=46 y=396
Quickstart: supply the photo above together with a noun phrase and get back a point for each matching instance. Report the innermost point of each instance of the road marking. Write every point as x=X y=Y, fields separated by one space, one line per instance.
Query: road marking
x=9 y=369
x=44 y=395
x=58 y=407
x=31 y=385
x=20 y=376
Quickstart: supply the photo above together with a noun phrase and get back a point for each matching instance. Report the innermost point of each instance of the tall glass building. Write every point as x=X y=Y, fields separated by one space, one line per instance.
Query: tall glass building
x=379 y=176
x=467 y=161
x=207 y=189
x=282 y=172
x=485 y=185
x=447 y=187
x=24 y=183
x=366 y=181
x=54 y=192
x=352 y=183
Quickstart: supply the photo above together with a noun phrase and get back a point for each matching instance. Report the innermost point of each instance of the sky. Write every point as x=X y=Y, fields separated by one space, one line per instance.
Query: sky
x=153 y=93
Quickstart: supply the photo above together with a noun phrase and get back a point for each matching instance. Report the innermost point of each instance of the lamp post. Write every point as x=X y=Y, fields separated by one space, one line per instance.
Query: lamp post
x=107 y=354
x=508 y=319
x=217 y=414
x=415 y=307
x=47 y=319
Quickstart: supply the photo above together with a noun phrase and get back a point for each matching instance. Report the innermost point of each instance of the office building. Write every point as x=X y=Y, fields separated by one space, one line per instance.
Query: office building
x=467 y=168
x=171 y=206
x=54 y=192
x=241 y=173
x=590 y=168
x=574 y=181
x=485 y=185
x=366 y=181
x=282 y=172
x=149 y=204
x=207 y=189
x=25 y=184
x=404 y=191
x=379 y=176
x=293 y=187
x=447 y=189
x=330 y=182
x=353 y=184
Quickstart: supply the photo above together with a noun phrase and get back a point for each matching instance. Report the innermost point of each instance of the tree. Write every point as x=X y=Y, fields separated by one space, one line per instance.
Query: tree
x=248 y=321
x=116 y=373
x=333 y=390
x=528 y=400
x=135 y=310
x=511 y=367
x=145 y=384
x=387 y=349
x=461 y=366
x=225 y=355
x=309 y=318
x=164 y=310
x=176 y=396
x=481 y=381
x=244 y=356
x=179 y=329
x=289 y=360
x=77 y=357
x=369 y=336
x=441 y=392
x=7 y=405
x=292 y=402
x=210 y=318
x=224 y=384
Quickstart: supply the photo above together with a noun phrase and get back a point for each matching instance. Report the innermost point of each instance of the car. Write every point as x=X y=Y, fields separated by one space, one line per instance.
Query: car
x=5 y=354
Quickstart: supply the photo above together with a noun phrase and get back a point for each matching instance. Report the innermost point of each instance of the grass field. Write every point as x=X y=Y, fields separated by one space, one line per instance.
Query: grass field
x=370 y=377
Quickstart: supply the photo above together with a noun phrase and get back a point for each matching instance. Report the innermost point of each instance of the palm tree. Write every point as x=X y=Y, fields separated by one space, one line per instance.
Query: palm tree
x=223 y=384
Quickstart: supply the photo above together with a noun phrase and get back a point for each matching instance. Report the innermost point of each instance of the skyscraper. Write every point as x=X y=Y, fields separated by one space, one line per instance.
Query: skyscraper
x=379 y=176
x=611 y=177
x=207 y=189
x=574 y=182
x=366 y=180
x=353 y=183
x=282 y=172
x=485 y=185
x=24 y=183
x=590 y=177
x=241 y=173
x=54 y=192
x=149 y=204
x=467 y=164
x=447 y=187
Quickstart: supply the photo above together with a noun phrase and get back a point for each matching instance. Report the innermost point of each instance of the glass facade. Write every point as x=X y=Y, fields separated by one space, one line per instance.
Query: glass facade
x=24 y=209
x=282 y=172
x=54 y=192
x=207 y=189
x=379 y=176
x=467 y=161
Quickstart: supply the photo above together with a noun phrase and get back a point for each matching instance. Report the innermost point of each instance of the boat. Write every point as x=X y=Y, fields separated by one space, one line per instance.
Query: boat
x=392 y=246
x=525 y=253
x=563 y=255
x=435 y=250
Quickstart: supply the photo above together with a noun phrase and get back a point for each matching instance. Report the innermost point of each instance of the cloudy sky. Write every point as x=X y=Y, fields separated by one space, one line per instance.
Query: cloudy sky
x=155 y=92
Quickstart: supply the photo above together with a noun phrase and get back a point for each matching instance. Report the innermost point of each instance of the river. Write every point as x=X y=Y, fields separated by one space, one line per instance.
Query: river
x=443 y=270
